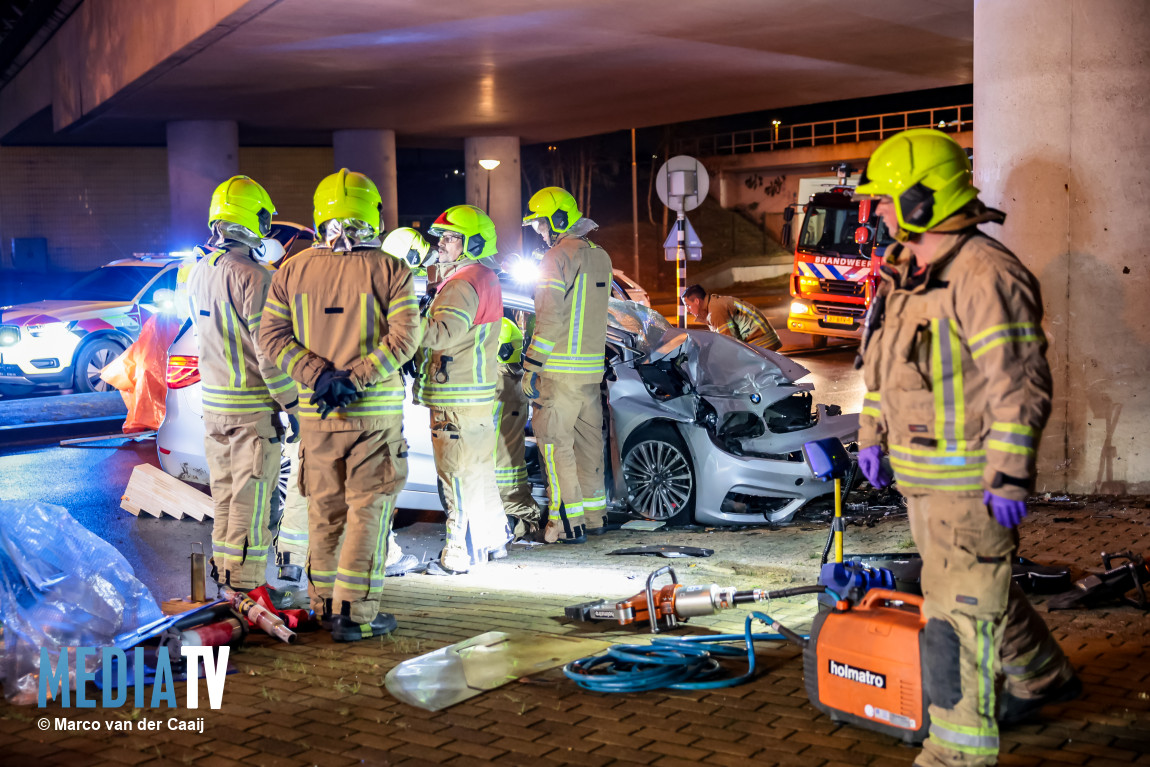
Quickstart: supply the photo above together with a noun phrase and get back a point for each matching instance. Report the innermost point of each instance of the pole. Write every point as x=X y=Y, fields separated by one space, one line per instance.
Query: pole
x=487 y=201
x=838 y=525
x=681 y=265
x=635 y=204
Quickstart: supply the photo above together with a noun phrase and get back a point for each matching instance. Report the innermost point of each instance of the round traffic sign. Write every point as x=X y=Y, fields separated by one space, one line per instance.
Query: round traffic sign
x=682 y=183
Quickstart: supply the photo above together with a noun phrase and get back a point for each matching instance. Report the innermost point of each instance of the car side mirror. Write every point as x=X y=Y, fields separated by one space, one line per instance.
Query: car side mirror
x=862 y=235
x=788 y=213
x=865 y=206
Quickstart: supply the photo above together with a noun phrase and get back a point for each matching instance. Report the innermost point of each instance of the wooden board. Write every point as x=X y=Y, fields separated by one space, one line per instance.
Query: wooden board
x=152 y=491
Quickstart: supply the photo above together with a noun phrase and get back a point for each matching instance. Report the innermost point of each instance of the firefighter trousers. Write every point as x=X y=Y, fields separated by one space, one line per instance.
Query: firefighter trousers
x=567 y=418
x=291 y=539
x=511 y=455
x=463 y=441
x=244 y=465
x=979 y=625
x=351 y=480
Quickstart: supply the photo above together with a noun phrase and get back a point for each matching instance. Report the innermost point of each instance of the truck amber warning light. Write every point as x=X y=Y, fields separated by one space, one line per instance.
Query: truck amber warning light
x=860 y=675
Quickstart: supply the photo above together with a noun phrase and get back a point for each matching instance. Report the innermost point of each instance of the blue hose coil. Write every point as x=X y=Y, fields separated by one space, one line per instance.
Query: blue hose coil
x=675 y=663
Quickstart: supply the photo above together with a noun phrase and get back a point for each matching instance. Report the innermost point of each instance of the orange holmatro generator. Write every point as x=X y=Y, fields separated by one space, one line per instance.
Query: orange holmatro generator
x=863 y=664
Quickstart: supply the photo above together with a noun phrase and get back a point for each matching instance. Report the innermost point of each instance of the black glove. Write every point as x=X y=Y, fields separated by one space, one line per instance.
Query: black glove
x=333 y=389
x=409 y=369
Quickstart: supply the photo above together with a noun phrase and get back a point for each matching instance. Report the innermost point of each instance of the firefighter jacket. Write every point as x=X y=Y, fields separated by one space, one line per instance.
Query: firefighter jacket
x=354 y=311
x=460 y=349
x=738 y=319
x=240 y=384
x=958 y=388
x=571 y=297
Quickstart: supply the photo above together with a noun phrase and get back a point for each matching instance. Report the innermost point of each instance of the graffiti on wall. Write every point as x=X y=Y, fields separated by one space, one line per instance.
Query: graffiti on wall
x=770 y=188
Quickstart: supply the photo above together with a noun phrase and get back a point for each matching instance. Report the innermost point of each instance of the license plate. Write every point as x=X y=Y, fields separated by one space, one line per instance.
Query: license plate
x=840 y=320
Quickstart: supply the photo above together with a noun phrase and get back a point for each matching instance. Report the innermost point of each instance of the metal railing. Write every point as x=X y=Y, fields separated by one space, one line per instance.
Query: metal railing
x=850 y=130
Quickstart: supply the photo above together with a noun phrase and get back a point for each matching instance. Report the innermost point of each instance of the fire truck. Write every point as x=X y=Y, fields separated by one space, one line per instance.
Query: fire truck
x=838 y=251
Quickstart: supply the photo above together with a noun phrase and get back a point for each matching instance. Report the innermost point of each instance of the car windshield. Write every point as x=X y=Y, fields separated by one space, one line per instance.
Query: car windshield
x=111 y=283
x=646 y=325
x=832 y=230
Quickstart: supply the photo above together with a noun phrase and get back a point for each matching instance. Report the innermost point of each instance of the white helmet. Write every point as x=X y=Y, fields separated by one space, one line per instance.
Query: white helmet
x=271 y=251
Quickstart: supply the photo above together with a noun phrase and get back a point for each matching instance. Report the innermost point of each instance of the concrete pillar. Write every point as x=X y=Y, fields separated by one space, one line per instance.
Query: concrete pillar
x=505 y=204
x=201 y=155
x=1062 y=144
x=372 y=153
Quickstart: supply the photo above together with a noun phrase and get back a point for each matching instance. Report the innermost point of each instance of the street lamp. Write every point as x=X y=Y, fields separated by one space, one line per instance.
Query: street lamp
x=488 y=165
x=776 y=123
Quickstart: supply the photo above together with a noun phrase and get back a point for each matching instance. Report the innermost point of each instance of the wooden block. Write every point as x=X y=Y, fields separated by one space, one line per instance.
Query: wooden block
x=177 y=606
x=151 y=491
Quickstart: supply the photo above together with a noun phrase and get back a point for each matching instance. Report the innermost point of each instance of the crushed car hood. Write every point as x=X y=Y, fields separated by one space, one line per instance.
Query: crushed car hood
x=718 y=365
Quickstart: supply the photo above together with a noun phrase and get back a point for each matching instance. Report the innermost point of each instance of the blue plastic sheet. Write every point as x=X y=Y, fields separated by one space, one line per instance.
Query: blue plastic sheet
x=61 y=587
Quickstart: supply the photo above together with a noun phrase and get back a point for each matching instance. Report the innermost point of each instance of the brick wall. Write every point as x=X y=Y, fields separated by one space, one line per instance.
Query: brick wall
x=96 y=204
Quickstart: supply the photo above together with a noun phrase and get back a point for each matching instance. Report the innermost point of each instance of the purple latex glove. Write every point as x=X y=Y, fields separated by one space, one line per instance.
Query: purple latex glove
x=870 y=461
x=1008 y=513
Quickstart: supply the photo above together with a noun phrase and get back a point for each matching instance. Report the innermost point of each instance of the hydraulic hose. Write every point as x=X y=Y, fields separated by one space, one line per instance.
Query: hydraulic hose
x=677 y=663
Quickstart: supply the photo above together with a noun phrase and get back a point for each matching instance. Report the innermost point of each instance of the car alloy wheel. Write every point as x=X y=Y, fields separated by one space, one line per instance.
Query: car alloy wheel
x=659 y=476
x=91 y=360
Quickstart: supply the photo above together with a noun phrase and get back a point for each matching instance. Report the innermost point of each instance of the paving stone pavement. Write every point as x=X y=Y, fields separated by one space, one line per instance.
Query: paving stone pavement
x=319 y=703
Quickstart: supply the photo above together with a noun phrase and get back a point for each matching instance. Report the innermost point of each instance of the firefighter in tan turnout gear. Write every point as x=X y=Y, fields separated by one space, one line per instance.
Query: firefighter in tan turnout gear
x=958 y=391
x=564 y=365
x=457 y=382
x=731 y=317
x=511 y=440
x=341 y=319
x=242 y=390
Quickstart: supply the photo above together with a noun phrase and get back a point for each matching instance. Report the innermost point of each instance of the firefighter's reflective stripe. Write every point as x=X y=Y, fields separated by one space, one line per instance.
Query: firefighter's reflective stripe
x=442 y=395
x=378 y=400
x=467 y=318
x=750 y=321
x=510 y=476
x=404 y=304
x=947 y=383
x=478 y=356
x=952 y=470
x=234 y=401
x=598 y=503
x=578 y=307
x=1036 y=662
x=986 y=651
x=1010 y=332
x=539 y=348
x=872 y=404
x=293 y=353
x=977 y=741
x=321 y=577
x=233 y=345
x=278 y=309
x=552 y=283
x=574 y=363
x=1013 y=438
x=554 y=497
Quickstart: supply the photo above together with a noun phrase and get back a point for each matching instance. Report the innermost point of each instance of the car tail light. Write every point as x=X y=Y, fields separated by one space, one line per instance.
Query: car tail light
x=182 y=371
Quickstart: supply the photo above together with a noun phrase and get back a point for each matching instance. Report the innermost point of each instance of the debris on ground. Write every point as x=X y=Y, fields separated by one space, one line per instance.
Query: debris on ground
x=453 y=674
x=665 y=550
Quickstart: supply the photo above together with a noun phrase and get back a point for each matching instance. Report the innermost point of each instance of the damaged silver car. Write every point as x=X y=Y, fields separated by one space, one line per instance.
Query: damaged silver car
x=709 y=429
x=702 y=427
